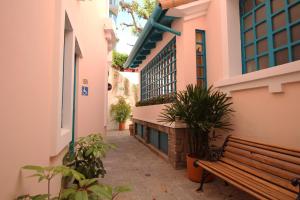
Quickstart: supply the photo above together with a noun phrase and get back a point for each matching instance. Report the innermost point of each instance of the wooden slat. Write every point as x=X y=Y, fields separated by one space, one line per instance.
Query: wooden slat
x=265 y=159
x=234 y=183
x=259 y=179
x=268 y=153
x=252 y=181
x=263 y=191
x=274 y=148
x=267 y=168
x=259 y=173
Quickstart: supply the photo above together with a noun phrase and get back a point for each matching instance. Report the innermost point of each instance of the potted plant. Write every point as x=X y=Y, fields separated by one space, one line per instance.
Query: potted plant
x=203 y=111
x=120 y=112
x=87 y=156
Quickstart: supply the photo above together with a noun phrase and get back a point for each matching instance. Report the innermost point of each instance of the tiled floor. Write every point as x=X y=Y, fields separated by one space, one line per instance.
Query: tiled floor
x=152 y=178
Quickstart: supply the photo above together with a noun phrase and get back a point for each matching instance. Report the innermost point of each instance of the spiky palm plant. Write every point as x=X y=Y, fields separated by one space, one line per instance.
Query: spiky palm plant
x=204 y=111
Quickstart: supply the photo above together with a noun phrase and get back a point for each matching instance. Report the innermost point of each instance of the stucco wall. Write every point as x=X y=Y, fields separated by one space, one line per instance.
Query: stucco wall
x=265 y=101
x=124 y=84
x=31 y=58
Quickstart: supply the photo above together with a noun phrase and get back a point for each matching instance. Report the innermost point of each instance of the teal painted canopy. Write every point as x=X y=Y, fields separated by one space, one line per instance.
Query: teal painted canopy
x=152 y=33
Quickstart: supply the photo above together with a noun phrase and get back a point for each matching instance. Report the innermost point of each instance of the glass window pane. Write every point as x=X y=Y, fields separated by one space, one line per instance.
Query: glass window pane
x=263 y=62
x=277 y=5
x=262 y=46
x=199 y=48
x=249 y=36
x=260 y=14
x=250 y=65
x=200 y=72
x=249 y=51
x=295 y=32
x=279 y=21
x=281 y=57
x=199 y=37
x=248 y=22
x=248 y=5
x=280 y=39
x=199 y=60
x=295 y=13
x=261 y=30
x=296 y=52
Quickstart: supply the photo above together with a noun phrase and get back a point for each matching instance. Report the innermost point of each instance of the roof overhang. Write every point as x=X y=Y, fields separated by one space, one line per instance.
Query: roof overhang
x=190 y=10
x=159 y=22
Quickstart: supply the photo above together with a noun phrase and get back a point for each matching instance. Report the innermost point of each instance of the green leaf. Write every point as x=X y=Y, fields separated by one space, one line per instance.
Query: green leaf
x=101 y=191
x=121 y=189
x=40 y=197
x=34 y=168
x=81 y=195
x=67 y=192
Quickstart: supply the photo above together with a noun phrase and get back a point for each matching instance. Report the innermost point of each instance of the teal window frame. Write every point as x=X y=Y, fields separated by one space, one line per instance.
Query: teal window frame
x=159 y=140
x=271 y=49
x=202 y=42
x=158 y=77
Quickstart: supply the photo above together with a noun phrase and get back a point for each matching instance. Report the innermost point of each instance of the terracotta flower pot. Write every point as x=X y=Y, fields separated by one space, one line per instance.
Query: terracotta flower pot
x=121 y=126
x=195 y=173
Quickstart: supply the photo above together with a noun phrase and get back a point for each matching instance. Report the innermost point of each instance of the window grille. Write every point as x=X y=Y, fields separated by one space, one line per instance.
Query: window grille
x=159 y=75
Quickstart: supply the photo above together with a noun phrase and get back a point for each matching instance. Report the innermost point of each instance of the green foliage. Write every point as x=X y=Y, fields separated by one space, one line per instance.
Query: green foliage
x=90 y=189
x=138 y=11
x=47 y=174
x=87 y=156
x=157 y=100
x=118 y=59
x=84 y=189
x=120 y=111
x=204 y=111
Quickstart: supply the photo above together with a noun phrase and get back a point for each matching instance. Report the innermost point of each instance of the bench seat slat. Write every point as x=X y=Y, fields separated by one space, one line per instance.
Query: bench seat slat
x=267 y=168
x=281 y=150
x=266 y=160
x=258 y=179
x=234 y=183
x=251 y=183
x=276 y=155
x=263 y=175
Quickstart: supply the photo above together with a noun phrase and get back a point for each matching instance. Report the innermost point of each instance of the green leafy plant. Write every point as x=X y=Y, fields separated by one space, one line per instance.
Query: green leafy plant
x=90 y=189
x=87 y=156
x=118 y=60
x=120 y=111
x=47 y=174
x=163 y=99
x=84 y=189
x=204 y=111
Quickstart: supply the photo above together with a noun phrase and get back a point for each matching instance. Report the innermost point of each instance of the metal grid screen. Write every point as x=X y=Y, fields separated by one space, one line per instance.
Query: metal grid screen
x=159 y=76
x=270 y=33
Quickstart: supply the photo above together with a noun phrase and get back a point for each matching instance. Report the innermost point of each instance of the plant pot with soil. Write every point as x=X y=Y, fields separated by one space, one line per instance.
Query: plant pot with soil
x=121 y=112
x=204 y=111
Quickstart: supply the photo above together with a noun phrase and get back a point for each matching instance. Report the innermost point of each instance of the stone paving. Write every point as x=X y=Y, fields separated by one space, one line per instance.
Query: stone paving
x=152 y=178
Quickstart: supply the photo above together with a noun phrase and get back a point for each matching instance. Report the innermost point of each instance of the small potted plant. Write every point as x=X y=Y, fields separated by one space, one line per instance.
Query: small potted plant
x=203 y=111
x=121 y=112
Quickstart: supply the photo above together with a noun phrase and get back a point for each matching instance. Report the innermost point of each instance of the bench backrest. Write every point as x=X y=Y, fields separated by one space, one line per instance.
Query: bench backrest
x=274 y=164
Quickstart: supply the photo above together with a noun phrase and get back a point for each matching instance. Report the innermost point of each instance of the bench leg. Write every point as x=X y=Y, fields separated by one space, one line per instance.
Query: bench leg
x=225 y=183
x=205 y=173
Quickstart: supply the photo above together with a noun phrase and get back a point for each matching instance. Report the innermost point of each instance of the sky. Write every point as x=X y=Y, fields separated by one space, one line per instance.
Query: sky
x=126 y=38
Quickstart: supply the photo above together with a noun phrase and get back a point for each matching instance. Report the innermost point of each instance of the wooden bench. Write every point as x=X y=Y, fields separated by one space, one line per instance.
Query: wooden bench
x=262 y=170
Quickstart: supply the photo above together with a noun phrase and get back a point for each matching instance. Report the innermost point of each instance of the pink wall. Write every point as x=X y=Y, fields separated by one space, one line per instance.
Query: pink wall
x=31 y=57
x=269 y=115
x=269 y=118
